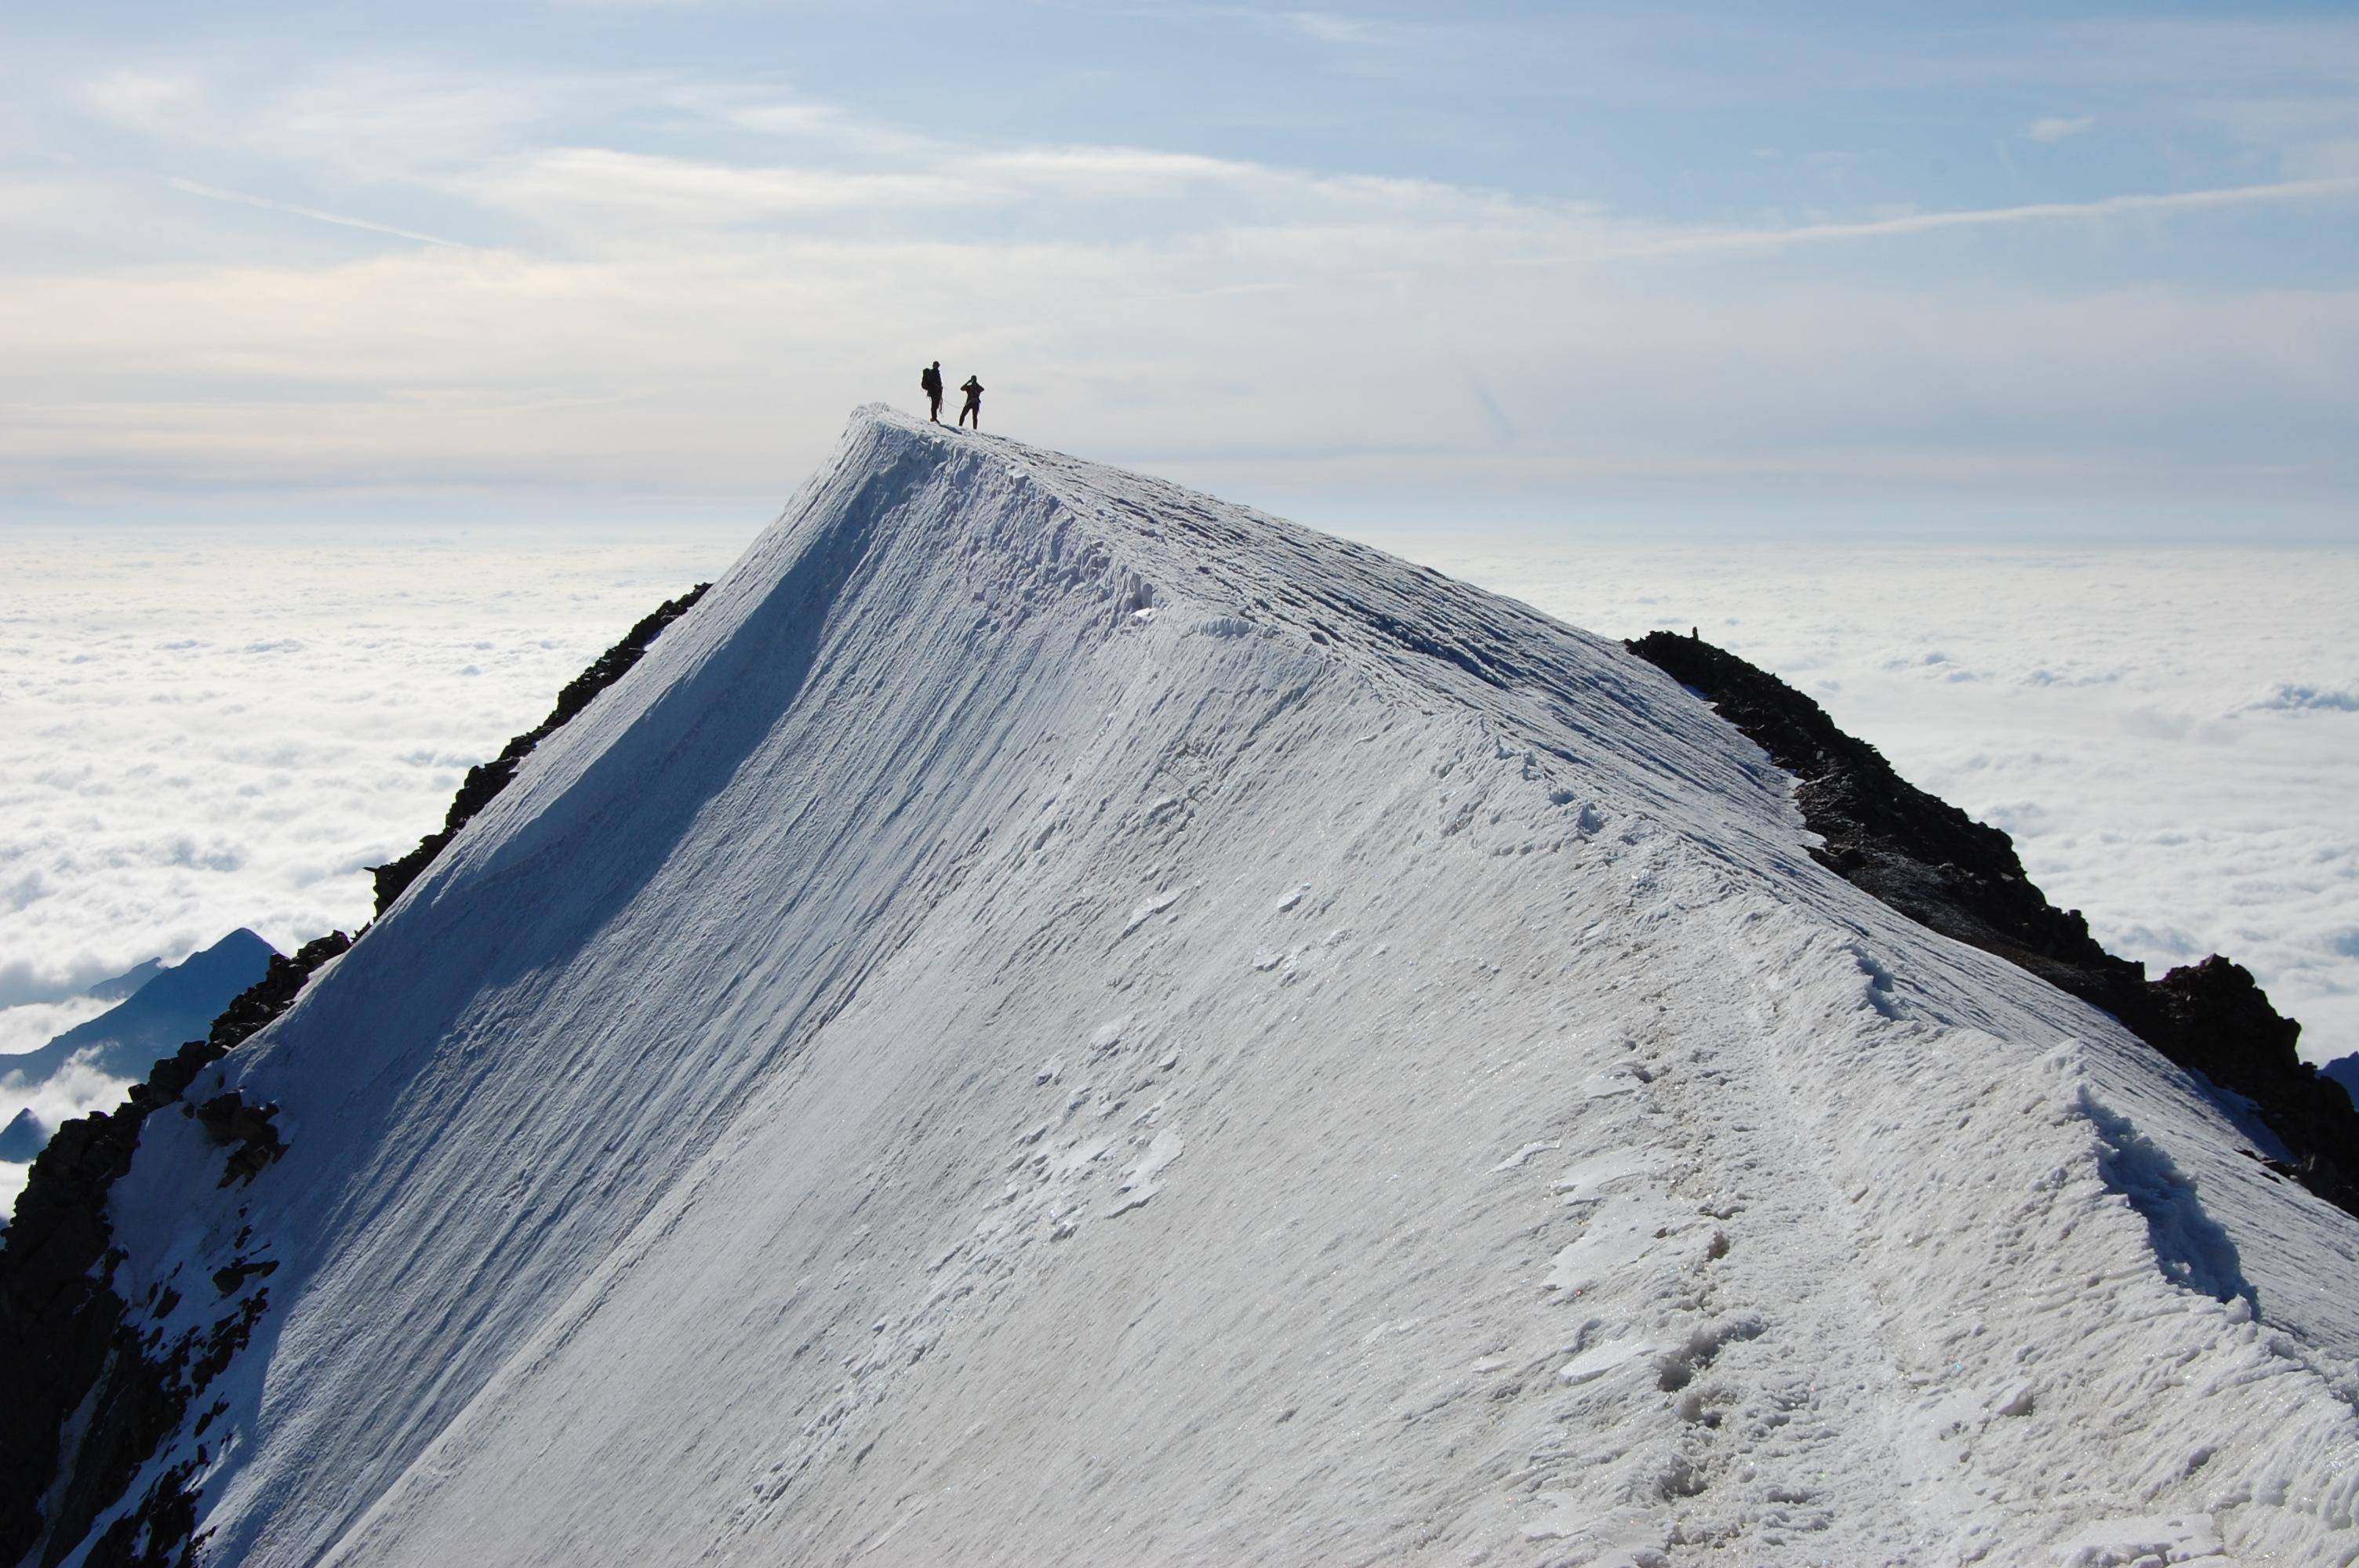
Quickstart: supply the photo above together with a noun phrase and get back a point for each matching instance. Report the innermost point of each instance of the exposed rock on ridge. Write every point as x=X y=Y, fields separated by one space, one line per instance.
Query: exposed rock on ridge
x=72 y=1345
x=70 y=1338
x=485 y=780
x=1049 y=985
x=1962 y=878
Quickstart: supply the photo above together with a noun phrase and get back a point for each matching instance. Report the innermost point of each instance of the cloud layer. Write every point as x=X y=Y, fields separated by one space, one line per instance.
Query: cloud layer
x=235 y=273
x=225 y=729
x=2164 y=732
x=215 y=728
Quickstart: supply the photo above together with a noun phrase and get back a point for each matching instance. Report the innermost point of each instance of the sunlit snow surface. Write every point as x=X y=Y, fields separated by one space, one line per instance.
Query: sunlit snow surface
x=1055 y=1021
x=2170 y=735
x=220 y=726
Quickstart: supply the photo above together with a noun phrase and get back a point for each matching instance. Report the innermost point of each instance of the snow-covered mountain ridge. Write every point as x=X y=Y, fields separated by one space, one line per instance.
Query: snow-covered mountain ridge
x=1942 y=869
x=1054 y=1019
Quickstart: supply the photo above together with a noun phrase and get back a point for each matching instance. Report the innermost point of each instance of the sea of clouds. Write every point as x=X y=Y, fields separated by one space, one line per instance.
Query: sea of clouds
x=203 y=728
x=2170 y=735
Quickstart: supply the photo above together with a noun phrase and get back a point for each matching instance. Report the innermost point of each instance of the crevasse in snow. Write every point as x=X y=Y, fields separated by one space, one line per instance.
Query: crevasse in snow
x=1054 y=1019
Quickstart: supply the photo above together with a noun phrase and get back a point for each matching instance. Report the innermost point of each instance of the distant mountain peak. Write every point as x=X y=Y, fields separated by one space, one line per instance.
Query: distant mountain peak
x=170 y=1004
x=116 y=987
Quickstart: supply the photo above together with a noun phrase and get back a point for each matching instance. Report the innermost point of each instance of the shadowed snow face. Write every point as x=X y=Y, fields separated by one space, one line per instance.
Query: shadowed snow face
x=225 y=728
x=215 y=728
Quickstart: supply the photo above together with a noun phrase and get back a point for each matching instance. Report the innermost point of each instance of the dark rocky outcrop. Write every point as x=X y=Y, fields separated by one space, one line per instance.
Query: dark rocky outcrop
x=2343 y=1070
x=68 y=1341
x=485 y=780
x=227 y=1119
x=1937 y=865
x=70 y=1344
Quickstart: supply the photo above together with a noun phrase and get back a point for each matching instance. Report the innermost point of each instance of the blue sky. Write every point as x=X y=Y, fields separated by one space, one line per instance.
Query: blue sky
x=2006 y=272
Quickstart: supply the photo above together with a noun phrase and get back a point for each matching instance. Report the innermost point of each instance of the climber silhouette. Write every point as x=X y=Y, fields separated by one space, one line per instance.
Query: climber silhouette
x=930 y=382
x=973 y=405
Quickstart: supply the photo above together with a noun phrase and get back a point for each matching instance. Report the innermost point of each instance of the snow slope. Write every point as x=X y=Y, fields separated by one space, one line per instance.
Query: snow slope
x=1054 y=1019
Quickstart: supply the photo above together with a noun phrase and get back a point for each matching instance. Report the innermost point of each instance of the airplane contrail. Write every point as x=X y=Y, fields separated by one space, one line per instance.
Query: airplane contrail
x=215 y=193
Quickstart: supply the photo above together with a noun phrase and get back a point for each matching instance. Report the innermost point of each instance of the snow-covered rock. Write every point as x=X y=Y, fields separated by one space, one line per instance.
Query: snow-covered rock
x=1055 y=1020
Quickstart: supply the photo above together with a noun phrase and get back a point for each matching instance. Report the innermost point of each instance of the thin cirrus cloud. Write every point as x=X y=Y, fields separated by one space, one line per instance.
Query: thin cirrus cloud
x=212 y=193
x=2286 y=191
x=558 y=189
x=2057 y=127
x=661 y=277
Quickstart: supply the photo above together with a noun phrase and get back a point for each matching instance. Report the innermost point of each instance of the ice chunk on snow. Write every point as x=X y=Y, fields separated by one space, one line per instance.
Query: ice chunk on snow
x=1620 y=1237
x=1139 y=1184
x=1168 y=1146
x=1599 y=1172
x=2153 y=1539
x=1600 y=1359
x=1525 y=1152
x=1148 y=911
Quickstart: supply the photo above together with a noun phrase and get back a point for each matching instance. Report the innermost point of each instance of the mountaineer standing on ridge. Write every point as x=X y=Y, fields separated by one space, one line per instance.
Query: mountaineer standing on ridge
x=930 y=382
x=973 y=405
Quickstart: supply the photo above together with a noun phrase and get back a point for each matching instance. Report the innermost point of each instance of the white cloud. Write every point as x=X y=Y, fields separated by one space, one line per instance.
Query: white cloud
x=2104 y=720
x=581 y=192
x=285 y=704
x=2057 y=127
x=28 y=1026
x=157 y=104
x=76 y=1090
x=788 y=119
x=1336 y=30
x=266 y=743
x=1327 y=28
x=765 y=110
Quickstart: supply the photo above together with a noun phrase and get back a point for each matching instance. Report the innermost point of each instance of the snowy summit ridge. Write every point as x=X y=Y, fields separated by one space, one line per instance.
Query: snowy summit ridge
x=1053 y=1020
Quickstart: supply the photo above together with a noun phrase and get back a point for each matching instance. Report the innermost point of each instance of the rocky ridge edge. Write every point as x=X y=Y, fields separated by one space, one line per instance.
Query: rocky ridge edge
x=1942 y=869
x=485 y=780
x=71 y=1347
